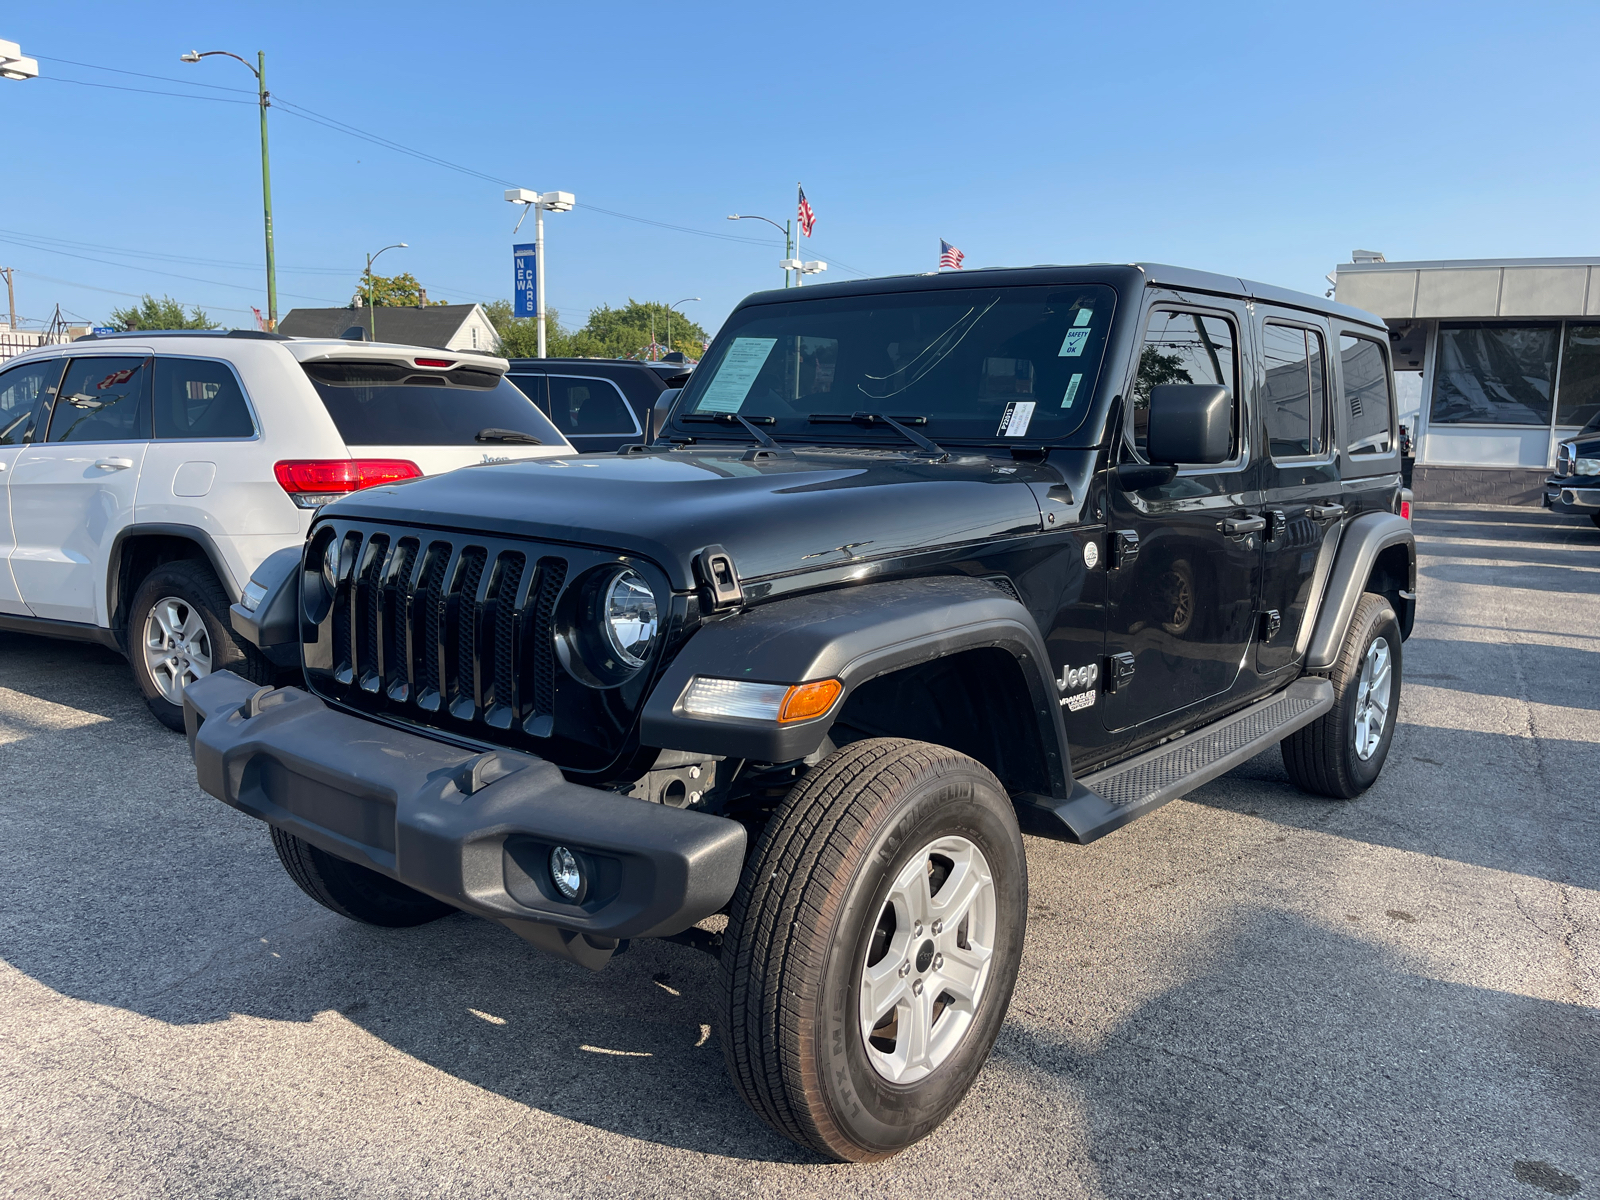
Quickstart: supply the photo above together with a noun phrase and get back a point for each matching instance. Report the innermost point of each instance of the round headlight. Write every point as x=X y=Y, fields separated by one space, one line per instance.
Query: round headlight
x=630 y=618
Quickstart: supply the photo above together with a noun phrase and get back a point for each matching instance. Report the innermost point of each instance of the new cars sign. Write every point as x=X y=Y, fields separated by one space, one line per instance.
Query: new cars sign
x=525 y=301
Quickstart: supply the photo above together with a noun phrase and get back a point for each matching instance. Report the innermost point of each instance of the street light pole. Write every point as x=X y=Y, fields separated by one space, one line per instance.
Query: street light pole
x=372 y=312
x=539 y=202
x=260 y=72
x=670 y=307
x=788 y=238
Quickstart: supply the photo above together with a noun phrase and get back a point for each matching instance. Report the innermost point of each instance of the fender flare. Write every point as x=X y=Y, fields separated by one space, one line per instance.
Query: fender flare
x=1364 y=538
x=852 y=634
x=190 y=533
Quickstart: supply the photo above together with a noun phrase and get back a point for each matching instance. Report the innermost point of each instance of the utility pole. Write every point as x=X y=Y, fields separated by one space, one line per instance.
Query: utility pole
x=260 y=72
x=787 y=229
x=266 y=194
x=11 y=298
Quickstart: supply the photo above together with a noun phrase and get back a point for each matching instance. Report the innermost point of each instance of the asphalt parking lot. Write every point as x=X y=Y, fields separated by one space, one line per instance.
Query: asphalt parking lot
x=1248 y=993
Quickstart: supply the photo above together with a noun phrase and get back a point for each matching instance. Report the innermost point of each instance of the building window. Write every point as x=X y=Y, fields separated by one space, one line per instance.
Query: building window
x=1292 y=397
x=1578 y=396
x=1494 y=375
x=1368 y=399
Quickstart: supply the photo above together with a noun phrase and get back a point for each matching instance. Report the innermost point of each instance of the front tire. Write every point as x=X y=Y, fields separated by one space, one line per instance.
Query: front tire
x=351 y=890
x=872 y=947
x=178 y=632
x=1341 y=753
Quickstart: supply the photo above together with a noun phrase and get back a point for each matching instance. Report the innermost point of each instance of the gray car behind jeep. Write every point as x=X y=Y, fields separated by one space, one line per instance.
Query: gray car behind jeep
x=909 y=567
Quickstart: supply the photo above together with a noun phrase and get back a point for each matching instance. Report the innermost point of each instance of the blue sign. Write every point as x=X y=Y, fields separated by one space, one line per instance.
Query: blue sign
x=525 y=303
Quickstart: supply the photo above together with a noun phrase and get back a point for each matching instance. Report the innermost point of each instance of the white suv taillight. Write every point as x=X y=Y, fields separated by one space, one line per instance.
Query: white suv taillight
x=313 y=482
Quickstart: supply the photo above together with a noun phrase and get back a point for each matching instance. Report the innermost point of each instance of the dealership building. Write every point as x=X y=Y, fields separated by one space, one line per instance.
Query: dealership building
x=1508 y=351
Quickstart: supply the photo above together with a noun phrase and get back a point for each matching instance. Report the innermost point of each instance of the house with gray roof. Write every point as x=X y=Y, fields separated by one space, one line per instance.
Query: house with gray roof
x=438 y=326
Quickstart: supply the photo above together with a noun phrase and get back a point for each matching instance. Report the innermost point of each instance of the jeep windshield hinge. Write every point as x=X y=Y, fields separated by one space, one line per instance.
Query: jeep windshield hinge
x=714 y=566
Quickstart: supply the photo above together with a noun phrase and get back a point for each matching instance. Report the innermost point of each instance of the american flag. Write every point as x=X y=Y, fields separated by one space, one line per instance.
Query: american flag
x=949 y=256
x=807 y=217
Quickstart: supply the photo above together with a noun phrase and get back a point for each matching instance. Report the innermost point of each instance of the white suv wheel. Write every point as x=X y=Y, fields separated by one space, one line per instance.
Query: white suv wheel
x=177 y=646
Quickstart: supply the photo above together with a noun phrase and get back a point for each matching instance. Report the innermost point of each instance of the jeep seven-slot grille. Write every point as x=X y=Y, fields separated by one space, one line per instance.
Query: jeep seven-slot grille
x=442 y=632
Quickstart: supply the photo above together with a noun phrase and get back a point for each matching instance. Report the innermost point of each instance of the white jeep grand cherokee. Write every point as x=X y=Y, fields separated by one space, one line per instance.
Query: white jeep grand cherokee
x=148 y=474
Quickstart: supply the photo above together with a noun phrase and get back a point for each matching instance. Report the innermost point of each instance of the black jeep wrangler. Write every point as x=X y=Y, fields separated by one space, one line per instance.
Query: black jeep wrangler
x=911 y=566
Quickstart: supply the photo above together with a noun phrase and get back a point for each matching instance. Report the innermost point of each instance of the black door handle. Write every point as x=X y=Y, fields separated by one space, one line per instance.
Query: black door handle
x=1323 y=512
x=1234 y=526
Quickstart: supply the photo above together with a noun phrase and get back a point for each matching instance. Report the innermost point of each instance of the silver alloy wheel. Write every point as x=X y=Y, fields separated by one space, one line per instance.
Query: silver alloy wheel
x=177 y=646
x=928 y=961
x=1372 y=699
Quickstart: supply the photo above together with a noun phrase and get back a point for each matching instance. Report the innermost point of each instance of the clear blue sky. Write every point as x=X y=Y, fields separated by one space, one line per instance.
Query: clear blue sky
x=1262 y=140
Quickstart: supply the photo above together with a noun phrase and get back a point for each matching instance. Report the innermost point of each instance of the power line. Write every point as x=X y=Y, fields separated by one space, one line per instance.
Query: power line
x=147 y=91
x=238 y=287
x=178 y=258
x=216 y=87
x=337 y=126
x=114 y=292
x=316 y=118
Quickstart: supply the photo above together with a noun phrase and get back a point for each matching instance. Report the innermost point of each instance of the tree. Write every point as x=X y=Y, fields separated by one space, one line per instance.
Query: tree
x=392 y=291
x=519 y=336
x=625 y=332
x=165 y=313
x=1155 y=369
x=609 y=332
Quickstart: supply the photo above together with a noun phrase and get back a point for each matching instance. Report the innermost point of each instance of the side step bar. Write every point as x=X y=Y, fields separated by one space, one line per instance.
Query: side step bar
x=1110 y=798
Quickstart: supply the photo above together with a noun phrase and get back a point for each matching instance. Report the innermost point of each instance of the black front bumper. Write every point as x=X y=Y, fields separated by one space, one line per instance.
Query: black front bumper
x=473 y=829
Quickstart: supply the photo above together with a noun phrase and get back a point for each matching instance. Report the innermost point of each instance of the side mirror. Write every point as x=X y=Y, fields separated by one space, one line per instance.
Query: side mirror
x=1190 y=423
x=660 y=411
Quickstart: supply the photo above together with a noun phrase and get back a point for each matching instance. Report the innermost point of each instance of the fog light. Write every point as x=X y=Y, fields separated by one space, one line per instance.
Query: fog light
x=565 y=873
x=252 y=596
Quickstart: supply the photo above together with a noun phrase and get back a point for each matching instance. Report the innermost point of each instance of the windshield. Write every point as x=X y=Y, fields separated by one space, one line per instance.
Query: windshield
x=390 y=404
x=978 y=365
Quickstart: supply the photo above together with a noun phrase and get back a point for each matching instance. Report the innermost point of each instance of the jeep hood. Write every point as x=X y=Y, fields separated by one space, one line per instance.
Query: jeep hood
x=774 y=516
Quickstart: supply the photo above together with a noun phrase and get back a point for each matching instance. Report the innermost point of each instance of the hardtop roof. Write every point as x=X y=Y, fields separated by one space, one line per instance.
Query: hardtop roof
x=1122 y=275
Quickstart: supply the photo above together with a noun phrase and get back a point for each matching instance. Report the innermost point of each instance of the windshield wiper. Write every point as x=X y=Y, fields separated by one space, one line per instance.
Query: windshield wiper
x=763 y=439
x=506 y=435
x=927 y=445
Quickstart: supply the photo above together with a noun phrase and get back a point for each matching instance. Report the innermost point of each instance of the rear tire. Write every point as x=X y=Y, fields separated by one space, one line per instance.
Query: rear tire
x=872 y=947
x=1340 y=754
x=354 y=891
x=178 y=632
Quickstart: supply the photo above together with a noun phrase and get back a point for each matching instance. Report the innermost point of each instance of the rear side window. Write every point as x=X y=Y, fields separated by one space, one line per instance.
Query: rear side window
x=25 y=395
x=1368 y=399
x=1184 y=347
x=390 y=404
x=197 y=398
x=103 y=400
x=1293 y=396
x=585 y=407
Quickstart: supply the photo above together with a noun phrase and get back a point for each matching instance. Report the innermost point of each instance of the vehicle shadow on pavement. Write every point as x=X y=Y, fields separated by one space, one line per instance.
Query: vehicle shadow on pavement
x=1306 y=1060
x=1434 y=799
